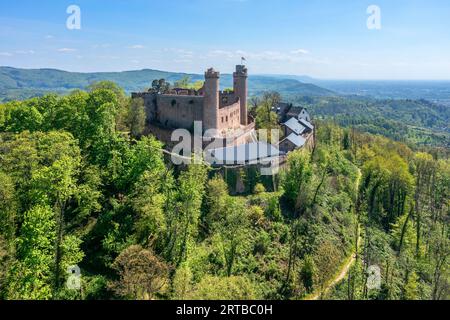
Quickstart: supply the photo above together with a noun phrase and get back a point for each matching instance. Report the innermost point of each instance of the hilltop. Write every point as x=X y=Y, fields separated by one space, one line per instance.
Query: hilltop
x=26 y=83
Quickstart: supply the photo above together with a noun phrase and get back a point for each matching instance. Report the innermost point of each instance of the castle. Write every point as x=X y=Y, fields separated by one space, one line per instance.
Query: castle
x=223 y=111
x=224 y=119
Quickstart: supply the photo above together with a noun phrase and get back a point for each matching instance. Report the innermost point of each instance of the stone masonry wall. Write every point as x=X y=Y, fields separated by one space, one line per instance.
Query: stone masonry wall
x=230 y=117
x=176 y=111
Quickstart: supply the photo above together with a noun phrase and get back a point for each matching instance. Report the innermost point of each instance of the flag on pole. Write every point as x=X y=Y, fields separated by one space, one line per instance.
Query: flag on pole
x=242 y=60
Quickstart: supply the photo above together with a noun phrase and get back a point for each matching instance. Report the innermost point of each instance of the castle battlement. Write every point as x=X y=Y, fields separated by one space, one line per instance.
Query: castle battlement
x=179 y=108
x=183 y=92
x=226 y=93
x=211 y=73
x=241 y=70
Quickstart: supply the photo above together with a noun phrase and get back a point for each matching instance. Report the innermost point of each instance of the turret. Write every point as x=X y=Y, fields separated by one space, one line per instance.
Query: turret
x=241 y=90
x=211 y=100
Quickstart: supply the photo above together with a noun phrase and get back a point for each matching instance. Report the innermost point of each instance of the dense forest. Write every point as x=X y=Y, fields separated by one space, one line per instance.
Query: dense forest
x=414 y=122
x=80 y=185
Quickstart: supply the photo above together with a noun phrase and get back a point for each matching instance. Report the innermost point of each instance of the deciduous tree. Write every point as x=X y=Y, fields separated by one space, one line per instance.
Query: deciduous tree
x=142 y=275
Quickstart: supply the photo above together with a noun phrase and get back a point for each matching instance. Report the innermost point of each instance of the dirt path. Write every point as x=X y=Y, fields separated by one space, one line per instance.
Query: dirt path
x=345 y=269
x=339 y=277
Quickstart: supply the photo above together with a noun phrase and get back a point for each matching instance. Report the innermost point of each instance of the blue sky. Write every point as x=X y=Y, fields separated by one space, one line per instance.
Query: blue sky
x=320 y=38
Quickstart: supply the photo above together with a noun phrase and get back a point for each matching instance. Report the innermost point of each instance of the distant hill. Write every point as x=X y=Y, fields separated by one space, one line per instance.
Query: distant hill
x=438 y=90
x=301 y=78
x=417 y=122
x=25 y=83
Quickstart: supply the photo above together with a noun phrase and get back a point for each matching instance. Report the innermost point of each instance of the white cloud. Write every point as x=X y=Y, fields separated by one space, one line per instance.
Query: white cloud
x=137 y=46
x=103 y=57
x=182 y=61
x=25 y=52
x=228 y=54
x=181 y=54
x=6 y=54
x=300 y=51
x=102 y=45
x=49 y=36
x=292 y=56
x=66 y=50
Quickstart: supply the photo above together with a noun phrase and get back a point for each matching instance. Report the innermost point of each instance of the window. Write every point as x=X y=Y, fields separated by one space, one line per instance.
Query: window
x=222 y=119
x=227 y=118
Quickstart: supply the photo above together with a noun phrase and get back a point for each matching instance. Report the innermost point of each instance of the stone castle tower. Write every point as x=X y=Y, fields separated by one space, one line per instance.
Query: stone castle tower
x=240 y=78
x=211 y=100
x=180 y=108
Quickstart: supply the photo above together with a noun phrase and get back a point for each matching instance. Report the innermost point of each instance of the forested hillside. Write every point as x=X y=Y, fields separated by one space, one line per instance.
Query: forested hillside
x=415 y=122
x=80 y=185
x=19 y=84
x=390 y=89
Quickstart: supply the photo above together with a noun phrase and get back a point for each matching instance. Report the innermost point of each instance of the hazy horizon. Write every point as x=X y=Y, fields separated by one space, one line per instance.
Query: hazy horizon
x=225 y=73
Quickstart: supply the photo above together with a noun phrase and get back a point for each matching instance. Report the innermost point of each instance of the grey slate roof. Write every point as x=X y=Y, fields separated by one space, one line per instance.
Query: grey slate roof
x=297 y=140
x=306 y=124
x=295 y=126
x=245 y=153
